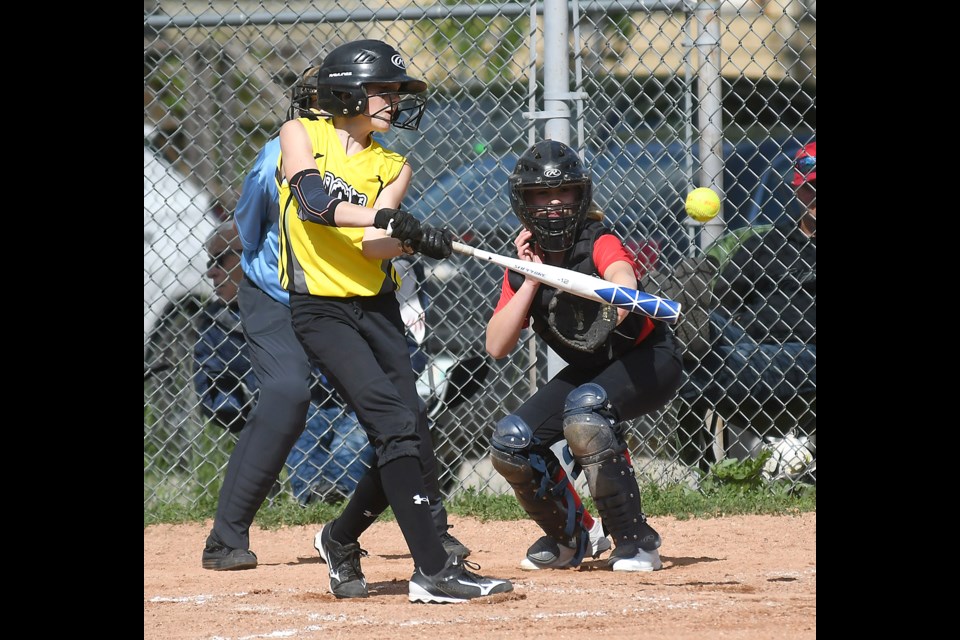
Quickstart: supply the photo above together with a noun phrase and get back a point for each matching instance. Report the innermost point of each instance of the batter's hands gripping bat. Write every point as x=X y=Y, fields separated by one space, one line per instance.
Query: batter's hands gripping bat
x=580 y=284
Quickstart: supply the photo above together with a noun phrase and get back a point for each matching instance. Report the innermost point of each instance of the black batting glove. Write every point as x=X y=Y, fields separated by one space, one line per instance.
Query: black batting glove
x=403 y=226
x=435 y=243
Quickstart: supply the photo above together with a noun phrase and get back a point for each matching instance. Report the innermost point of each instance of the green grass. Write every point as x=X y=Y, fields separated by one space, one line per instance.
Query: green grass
x=731 y=488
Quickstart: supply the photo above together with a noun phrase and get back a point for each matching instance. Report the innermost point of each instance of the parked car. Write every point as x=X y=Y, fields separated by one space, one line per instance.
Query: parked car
x=177 y=218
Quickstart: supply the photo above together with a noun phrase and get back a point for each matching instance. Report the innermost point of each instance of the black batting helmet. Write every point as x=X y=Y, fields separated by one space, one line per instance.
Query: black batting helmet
x=549 y=165
x=345 y=71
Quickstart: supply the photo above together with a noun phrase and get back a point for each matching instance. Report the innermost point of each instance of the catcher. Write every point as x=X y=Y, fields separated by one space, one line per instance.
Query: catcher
x=620 y=366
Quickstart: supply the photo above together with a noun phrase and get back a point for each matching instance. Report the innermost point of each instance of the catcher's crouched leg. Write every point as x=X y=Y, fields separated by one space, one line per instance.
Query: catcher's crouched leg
x=602 y=453
x=542 y=490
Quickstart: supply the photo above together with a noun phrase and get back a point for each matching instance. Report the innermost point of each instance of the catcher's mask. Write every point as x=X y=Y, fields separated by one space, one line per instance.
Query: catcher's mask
x=346 y=70
x=551 y=165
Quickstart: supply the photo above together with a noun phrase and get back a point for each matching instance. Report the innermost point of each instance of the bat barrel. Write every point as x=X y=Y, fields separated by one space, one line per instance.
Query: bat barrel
x=641 y=302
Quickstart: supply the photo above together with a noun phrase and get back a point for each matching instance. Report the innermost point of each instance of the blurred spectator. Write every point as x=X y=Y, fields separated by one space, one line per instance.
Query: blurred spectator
x=332 y=453
x=766 y=324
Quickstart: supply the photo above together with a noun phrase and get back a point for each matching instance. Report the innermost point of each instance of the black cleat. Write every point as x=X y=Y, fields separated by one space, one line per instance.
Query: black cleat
x=343 y=563
x=218 y=557
x=454 y=583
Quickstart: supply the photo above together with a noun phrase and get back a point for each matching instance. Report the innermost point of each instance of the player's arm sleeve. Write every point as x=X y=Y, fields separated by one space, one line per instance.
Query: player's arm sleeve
x=315 y=205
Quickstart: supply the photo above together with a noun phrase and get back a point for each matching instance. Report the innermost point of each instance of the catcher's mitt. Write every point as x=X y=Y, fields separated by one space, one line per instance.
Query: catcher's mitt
x=579 y=323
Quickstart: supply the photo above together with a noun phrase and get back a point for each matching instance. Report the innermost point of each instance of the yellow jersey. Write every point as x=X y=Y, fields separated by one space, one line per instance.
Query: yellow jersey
x=328 y=261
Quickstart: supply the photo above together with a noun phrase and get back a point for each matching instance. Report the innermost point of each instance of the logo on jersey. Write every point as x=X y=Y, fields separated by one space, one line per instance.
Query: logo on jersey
x=418 y=499
x=339 y=189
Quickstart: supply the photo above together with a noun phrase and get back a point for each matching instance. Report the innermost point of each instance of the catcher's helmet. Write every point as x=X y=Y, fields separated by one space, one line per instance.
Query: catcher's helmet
x=345 y=71
x=303 y=96
x=548 y=165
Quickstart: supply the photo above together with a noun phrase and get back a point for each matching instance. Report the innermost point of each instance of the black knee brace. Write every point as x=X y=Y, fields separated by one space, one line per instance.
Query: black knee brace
x=588 y=426
x=531 y=471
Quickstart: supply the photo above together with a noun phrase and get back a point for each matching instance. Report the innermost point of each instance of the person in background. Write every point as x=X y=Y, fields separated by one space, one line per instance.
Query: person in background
x=276 y=422
x=332 y=453
x=619 y=366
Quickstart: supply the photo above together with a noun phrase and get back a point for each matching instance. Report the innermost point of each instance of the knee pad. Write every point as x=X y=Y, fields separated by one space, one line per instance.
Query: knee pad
x=539 y=483
x=590 y=398
x=512 y=434
x=511 y=456
x=588 y=421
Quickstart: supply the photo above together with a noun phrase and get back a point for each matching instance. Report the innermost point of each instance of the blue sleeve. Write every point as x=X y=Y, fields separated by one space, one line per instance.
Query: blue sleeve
x=259 y=198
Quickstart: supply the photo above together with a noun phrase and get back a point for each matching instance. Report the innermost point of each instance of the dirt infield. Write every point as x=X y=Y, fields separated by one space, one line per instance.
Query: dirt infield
x=743 y=577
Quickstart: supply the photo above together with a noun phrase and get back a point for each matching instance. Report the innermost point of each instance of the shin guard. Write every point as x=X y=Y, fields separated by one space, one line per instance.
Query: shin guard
x=602 y=453
x=540 y=484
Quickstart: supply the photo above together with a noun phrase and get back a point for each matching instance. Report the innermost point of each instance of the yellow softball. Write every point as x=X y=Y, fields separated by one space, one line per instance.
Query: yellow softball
x=702 y=204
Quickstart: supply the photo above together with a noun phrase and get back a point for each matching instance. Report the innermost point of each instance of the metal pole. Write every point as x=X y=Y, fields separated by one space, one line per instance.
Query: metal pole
x=710 y=111
x=689 y=79
x=556 y=70
x=556 y=92
x=531 y=140
x=217 y=18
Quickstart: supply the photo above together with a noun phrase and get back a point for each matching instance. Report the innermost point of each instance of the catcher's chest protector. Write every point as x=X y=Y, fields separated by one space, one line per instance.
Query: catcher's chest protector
x=580 y=259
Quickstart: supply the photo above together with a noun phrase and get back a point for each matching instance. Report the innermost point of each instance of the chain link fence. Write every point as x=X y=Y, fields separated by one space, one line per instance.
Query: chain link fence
x=660 y=97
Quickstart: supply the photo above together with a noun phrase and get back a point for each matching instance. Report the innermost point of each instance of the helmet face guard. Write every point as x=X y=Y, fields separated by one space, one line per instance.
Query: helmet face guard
x=302 y=97
x=407 y=108
x=346 y=70
x=551 y=165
